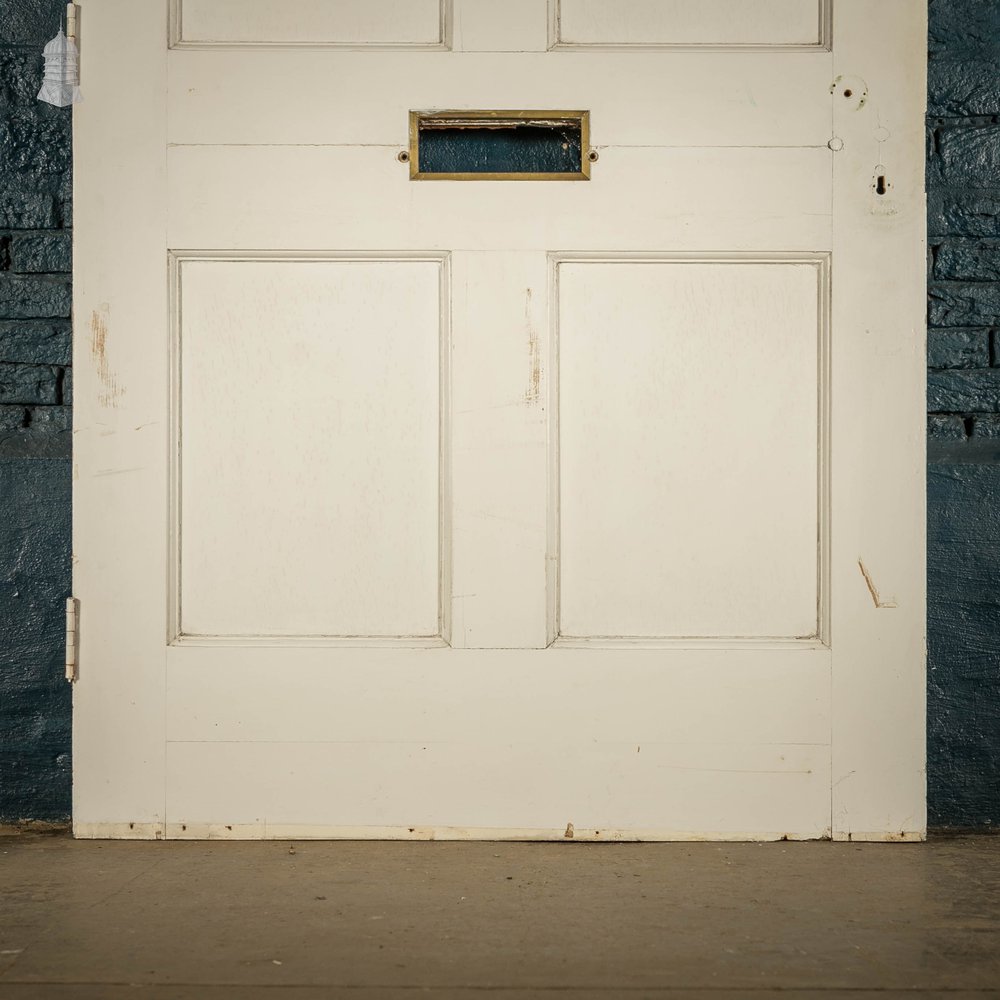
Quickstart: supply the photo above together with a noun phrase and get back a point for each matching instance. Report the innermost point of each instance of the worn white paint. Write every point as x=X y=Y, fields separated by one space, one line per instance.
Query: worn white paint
x=696 y=23
x=488 y=26
x=708 y=527
x=667 y=101
x=688 y=200
x=498 y=518
x=879 y=348
x=339 y=361
x=365 y=23
x=256 y=668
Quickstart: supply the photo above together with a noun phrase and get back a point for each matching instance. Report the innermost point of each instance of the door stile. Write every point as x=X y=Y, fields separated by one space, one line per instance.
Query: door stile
x=878 y=781
x=120 y=299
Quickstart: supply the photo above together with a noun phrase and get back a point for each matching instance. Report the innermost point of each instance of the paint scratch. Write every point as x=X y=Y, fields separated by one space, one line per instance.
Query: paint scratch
x=111 y=392
x=115 y=472
x=533 y=391
x=872 y=589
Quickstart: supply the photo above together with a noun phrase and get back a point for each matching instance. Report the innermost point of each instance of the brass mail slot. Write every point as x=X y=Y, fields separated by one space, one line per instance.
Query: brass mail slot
x=499 y=145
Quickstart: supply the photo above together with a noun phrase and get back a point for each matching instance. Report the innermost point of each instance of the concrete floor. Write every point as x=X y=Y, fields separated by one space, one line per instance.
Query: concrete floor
x=245 y=921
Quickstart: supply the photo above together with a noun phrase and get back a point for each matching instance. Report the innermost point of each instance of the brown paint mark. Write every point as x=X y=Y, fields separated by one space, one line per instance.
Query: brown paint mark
x=569 y=831
x=872 y=589
x=111 y=392
x=533 y=392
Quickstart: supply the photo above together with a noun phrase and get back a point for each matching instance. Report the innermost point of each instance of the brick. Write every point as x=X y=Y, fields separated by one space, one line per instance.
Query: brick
x=28 y=210
x=961 y=304
x=35 y=444
x=34 y=298
x=64 y=200
x=20 y=76
x=970 y=155
x=963 y=29
x=41 y=253
x=29 y=22
x=954 y=260
x=945 y=427
x=961 y=212
x=40 y=342
x=964 y=391
x=987 y=427
x=67 y=386
x=932 y=164
x=35 y=141
x=963 y=88
x=54 y=419
x=13 y=418
x=29 y=384
x=958 y=348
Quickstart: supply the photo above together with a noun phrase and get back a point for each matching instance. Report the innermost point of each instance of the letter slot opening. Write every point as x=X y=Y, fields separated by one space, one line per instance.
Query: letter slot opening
x=500 y=145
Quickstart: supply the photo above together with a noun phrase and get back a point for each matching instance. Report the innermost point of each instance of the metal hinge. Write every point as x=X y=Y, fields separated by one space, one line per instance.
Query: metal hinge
x=72 y=627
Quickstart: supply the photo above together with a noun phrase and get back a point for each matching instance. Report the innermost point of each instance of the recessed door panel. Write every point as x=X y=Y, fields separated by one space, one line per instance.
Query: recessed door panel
x=307 y=430
x=655 y=23
x=316 y=23
x=689 y=440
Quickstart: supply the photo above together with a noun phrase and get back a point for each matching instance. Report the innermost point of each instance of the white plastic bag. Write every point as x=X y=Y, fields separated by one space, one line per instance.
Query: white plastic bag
x=61 y=80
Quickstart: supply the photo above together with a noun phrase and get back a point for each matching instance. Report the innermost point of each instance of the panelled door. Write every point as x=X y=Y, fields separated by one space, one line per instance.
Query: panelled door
x=575 y=509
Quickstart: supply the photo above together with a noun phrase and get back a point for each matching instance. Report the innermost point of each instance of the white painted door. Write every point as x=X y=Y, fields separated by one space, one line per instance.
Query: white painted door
x=500 y=509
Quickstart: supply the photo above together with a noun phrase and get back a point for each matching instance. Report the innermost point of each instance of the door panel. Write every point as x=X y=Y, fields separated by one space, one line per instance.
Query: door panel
x=487 y=509
x=307 y=430
x=688 y=503
x=304 y=22
x=691 y=22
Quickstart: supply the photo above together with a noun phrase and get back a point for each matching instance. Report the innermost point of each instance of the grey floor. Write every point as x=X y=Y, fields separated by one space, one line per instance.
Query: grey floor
x=222 y=921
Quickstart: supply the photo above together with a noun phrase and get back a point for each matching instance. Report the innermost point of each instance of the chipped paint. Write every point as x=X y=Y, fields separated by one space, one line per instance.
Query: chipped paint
x=111 y=391
x=533 y=392
x=872 y=589
x=852 y=91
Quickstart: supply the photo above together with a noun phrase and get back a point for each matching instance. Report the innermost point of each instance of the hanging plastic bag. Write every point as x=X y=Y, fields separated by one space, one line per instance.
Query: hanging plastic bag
x=61 y=80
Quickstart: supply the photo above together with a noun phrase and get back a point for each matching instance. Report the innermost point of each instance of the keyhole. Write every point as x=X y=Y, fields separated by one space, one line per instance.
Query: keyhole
x=880 y=186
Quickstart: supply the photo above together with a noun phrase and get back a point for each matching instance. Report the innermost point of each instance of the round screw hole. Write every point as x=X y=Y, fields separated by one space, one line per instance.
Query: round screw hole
x=403 y=156
x=848 y=93
x=593 y=156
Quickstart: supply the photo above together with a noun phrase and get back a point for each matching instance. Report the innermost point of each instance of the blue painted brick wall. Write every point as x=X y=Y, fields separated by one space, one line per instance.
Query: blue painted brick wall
x=963 y=404
x=35 y=435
